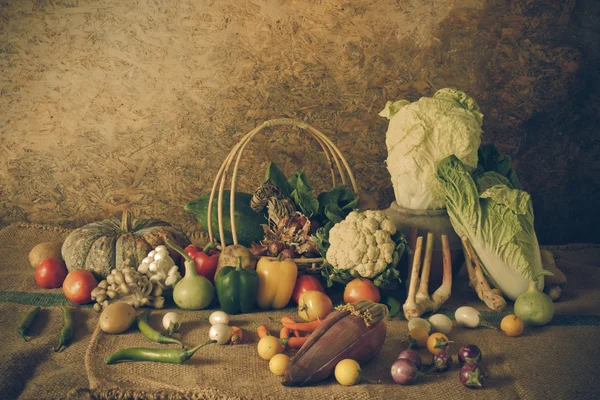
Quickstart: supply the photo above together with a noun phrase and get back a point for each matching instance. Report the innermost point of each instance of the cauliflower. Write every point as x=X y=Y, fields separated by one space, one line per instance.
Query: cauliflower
x=362 y=243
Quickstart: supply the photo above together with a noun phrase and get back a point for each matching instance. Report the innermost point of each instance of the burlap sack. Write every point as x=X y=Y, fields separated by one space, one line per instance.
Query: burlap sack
x=557 y=361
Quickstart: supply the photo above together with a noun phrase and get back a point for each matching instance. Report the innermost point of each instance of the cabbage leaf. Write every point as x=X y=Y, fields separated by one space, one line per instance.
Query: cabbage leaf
x=497 y=219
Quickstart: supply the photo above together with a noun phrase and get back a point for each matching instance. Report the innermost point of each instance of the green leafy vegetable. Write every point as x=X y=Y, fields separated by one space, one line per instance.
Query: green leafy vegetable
x=277 y=178
x=490 y=159
x=498 y=221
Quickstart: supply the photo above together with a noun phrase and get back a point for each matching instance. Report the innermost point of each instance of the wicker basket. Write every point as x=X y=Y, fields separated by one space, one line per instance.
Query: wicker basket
x=334 y=157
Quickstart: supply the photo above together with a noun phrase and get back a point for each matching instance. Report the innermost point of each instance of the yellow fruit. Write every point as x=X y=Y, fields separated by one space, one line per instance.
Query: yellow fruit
x=347 y=372
x=269 y=346
x=278 y=364
x=417 y=337
x=512 y=325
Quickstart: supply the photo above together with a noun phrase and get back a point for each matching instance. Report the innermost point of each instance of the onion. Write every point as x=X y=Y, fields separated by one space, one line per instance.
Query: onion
x=440 y=323
x=467 y=316
x=412 y=356
x=404 y=371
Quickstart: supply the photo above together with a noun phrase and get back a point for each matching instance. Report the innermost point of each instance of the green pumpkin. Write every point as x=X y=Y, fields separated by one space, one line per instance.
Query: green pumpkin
x=100 y=247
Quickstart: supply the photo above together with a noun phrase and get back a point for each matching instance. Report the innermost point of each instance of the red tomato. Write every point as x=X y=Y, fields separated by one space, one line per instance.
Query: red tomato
x=50 y=273
x=361 y=289
x=78 y=286
x=305 y=283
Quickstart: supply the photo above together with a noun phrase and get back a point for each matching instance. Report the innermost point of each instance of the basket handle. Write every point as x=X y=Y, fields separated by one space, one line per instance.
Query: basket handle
x=328 y=147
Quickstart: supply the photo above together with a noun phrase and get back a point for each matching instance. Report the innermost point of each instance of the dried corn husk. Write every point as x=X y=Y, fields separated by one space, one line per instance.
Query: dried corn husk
x=355 y=331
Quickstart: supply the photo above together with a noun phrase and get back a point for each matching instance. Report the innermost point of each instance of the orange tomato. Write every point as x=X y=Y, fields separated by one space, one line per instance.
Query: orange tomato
x=50 y=273
x=512 y=325
x=361 y=289
x=314 y=305
x=78 y=286
x=437 y=342
x=305 y=283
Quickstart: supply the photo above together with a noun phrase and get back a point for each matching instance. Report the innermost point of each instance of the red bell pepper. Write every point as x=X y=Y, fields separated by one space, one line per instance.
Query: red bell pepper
x=205 y=260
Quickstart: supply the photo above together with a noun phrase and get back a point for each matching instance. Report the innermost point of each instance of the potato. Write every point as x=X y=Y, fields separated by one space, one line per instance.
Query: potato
x=117 y=317
x=229 y=257
x=44 y=250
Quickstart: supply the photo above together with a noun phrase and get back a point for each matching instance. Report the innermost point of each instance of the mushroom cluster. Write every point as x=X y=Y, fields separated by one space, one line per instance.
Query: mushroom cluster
x=129 y=286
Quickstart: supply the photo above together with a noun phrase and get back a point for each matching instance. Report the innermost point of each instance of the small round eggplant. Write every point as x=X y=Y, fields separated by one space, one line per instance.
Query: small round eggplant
x=412 y=356
x=469 y=354
x=471 y=376
x=404 y=371
x=442 y=362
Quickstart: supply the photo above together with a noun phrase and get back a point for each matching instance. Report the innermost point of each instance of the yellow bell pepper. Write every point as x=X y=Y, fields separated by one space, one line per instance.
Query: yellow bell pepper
x=276 y=281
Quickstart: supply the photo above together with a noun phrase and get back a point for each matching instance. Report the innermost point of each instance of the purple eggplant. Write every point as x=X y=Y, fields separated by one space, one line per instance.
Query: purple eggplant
x=412 y=356
x=404 y=371
x=442 y=362
x=471 y=375
x=469 y=354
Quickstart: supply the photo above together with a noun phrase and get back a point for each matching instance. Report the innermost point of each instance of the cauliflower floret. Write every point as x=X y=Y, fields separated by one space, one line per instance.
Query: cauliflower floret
x=362 y=242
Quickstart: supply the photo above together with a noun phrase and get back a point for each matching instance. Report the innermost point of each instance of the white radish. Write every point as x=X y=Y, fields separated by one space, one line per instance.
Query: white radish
x=440 y=323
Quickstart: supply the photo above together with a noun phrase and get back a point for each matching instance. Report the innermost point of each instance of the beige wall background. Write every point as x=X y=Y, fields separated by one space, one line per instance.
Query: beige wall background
x=111 y=105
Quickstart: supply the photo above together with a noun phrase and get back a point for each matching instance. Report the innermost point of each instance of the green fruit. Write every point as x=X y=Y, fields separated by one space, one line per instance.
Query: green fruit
x=247 y=221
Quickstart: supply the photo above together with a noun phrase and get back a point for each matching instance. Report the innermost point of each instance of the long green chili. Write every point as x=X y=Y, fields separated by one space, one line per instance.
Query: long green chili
x=25 y=324
x=66 y=333
x=170 y=356
x=151 y=333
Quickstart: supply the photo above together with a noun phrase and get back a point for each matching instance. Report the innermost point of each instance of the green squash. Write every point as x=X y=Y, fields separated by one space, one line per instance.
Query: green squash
x=99 y=247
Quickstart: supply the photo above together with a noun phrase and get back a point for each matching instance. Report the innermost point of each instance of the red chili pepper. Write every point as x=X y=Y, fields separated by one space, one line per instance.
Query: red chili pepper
x=205 y=260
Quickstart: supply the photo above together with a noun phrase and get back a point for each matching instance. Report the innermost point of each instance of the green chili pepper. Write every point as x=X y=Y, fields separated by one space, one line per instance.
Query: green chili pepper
x=26 y=322
x=236 y=288
x=66 y=333
x=170 y=356
x=151 y=333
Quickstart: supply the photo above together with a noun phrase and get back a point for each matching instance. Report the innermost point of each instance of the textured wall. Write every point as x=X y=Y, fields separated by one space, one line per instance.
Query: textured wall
x=107 y=105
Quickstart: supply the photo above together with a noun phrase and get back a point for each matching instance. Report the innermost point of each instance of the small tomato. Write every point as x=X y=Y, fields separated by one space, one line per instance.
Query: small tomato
x=361 y=289
x=50 y=273
x=305 y=283
x=78 y=286
x=512 y=325
x=314 y=305
x=437 y=342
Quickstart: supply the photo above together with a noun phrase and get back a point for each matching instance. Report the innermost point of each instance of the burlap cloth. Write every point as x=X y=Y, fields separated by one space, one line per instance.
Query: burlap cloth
x=558 y=361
